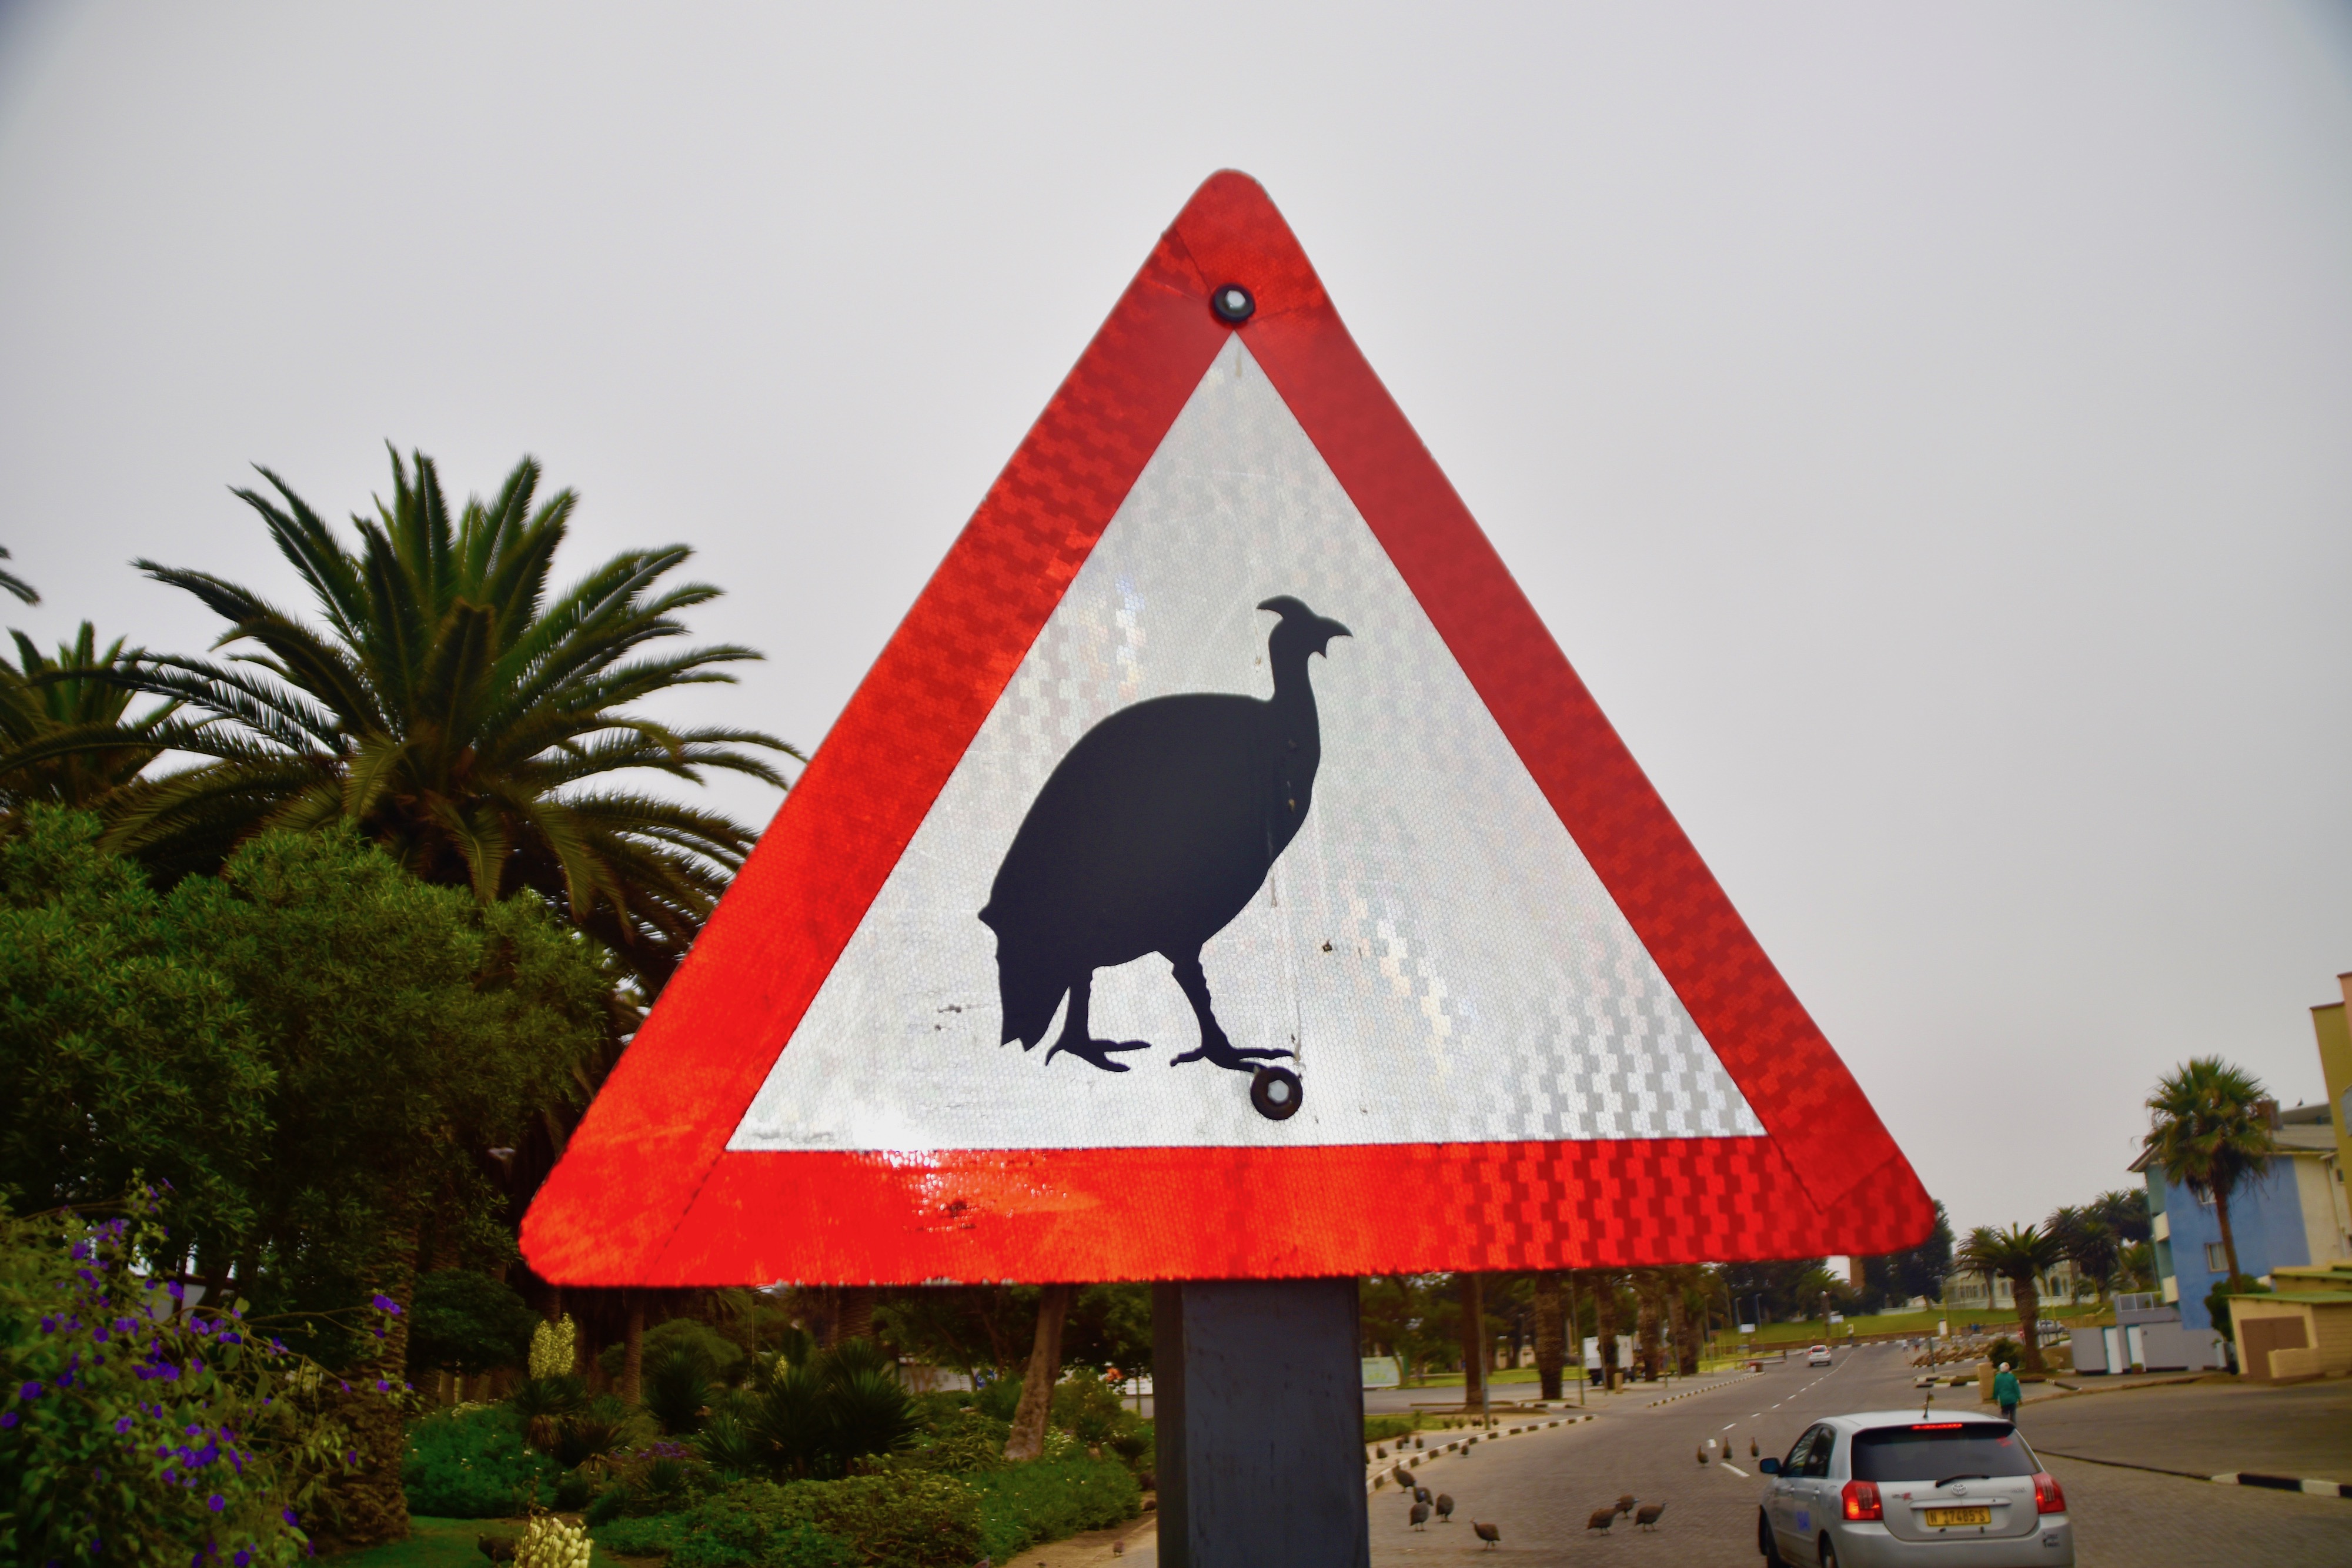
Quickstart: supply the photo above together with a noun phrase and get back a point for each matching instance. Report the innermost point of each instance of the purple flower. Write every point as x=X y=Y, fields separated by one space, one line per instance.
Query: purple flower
x=122 y=1424
x=179 y=1291
x=381 y=1387
x=288 y=1515
x=216 y=1503
x=242 y=1557
x=80 y=1251
x=100 y=1335
x=48 y=1325
x=384 y=1303
x=8 y=1419
x=30 y=1391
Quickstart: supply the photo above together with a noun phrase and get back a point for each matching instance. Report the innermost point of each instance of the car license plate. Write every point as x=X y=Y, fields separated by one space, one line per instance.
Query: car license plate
x=1945 y=1517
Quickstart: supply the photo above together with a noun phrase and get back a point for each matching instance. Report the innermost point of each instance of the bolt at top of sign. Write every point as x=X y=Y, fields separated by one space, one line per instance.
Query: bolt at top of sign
x=1222 y=738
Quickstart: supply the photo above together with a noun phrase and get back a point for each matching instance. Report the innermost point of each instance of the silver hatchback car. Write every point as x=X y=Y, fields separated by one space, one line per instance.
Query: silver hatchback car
x=1900 y=1488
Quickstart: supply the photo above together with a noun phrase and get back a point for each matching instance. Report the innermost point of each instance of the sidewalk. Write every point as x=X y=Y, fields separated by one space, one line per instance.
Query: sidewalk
x=2202 y=1428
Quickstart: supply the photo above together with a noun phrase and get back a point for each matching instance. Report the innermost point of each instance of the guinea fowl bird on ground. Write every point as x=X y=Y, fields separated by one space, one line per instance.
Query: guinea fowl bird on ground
x=1752 y=1449
x=1444 y=1508
x=1625 y=1502
x=1602 y=1518
x=1420 y=1494
x=1155 y=830
x=1490 y=1534
x=1648 y=1518
x=1404 y=1478
x=1419 y=1516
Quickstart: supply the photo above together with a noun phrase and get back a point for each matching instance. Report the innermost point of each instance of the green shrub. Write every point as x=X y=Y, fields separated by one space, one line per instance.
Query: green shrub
x=1089 y=1410
x=963 y=1442
x=474 y=1464
x=895 y=1519
x=677 y=1387
x=1021 y=1505
x=2008 y=1350
x=721 y=1357
x=1387 y=1429
x=1137 y=1445
x=999 y=1398
x=467 y=1323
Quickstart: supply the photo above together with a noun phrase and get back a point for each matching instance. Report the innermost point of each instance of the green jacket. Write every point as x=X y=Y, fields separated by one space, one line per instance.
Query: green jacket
x=2004 y=1388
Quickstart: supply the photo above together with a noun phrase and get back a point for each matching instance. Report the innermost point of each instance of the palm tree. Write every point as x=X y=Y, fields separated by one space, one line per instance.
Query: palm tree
x=2088 y=1242
x=11 y=583
x=2209 y=1133
x=2021 y=1255
x=64 y=739
x=458 y=714
x=2124 y=1211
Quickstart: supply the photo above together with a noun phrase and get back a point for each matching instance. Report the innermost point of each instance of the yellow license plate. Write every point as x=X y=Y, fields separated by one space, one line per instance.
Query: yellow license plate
x=1945 y=1517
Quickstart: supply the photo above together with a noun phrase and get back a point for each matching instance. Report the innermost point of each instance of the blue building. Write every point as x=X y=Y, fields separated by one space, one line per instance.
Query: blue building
x=2293 y=1215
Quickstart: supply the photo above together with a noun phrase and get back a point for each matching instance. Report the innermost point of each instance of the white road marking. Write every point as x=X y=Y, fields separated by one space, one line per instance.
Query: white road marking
x=1727 y=1425
x=1735 y=1469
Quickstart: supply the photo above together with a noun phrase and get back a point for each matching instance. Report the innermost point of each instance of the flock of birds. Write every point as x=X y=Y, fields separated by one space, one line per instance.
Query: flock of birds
x=1425 y=1506
x=1439 y=1506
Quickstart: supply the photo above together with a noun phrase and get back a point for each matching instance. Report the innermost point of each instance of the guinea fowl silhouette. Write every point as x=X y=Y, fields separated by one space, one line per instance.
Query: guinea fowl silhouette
x=1153 y=833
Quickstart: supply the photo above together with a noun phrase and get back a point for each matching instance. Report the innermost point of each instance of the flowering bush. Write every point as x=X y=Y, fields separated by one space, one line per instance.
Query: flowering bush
x=136 y=1429
x=555 y=1348
x=548 y=1542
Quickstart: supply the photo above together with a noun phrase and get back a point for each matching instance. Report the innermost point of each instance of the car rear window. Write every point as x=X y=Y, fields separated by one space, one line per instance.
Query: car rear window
x=1940 y=1451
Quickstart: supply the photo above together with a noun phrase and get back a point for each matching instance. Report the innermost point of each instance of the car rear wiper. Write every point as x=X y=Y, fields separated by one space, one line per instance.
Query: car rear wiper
x=1972 y=1476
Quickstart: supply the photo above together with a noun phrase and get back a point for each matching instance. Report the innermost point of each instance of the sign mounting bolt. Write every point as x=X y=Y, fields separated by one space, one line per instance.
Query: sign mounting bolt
x=1233 y=304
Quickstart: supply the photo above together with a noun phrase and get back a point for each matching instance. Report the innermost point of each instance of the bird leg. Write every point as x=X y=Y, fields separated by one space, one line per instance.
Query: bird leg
x=1079 y=1041
x=1215 y=1045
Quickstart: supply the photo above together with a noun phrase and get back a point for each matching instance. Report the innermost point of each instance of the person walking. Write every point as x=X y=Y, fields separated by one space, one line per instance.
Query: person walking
x=2006 y=1393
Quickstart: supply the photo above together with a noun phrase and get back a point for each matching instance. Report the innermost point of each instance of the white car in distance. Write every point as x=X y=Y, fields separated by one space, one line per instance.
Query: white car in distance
x=1903 y=1488
x=1818 y=1357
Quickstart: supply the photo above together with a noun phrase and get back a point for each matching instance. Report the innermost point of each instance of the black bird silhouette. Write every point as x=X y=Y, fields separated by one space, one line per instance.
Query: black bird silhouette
x=1648 y=1518
x=1153 y=833
x=1444 y=1508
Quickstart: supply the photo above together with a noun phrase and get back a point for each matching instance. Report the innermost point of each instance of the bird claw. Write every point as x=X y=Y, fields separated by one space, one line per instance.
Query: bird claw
x=1097 y=1051
x=1227 y=1055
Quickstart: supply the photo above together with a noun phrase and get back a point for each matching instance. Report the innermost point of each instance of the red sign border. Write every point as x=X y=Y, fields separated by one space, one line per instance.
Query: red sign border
x=647 y=1193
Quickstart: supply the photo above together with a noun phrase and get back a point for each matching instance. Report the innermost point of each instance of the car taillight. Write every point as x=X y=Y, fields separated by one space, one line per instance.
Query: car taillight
x=1862 y=1500
x=2047 y=1498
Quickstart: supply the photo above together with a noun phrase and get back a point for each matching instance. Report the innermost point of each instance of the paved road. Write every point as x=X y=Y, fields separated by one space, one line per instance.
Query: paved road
x=1539 y=1487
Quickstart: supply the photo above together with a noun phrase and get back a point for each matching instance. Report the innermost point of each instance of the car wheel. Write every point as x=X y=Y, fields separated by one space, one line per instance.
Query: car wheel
x=1828 y=1553
x=1765 y=1544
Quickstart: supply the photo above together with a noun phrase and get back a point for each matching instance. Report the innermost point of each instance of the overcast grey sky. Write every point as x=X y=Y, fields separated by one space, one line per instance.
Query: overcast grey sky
x=1928 y=429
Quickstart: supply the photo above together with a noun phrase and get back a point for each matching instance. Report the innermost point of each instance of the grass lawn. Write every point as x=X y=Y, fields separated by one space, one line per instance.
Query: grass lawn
x=448 y=1543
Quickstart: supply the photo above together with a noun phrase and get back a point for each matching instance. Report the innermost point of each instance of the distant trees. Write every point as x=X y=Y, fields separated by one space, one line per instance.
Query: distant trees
x=1893 y=1278
x=2210 y=1131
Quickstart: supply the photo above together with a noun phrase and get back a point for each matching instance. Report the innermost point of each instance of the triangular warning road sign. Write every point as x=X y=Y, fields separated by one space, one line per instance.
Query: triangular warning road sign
x=1221 y=739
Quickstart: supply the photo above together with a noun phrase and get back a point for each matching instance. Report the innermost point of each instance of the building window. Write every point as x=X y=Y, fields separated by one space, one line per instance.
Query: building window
x=2216 y=1260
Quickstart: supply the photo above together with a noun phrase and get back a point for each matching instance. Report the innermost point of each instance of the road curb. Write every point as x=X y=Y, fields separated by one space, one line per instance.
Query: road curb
x=2283 y=1483
x=2228 y=1478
